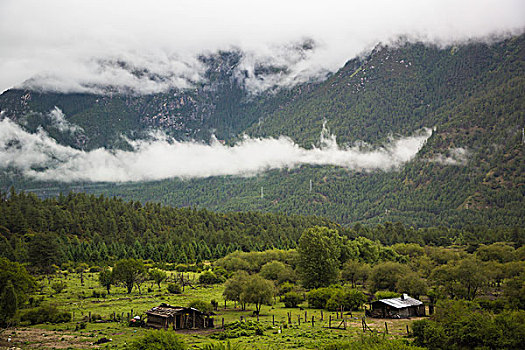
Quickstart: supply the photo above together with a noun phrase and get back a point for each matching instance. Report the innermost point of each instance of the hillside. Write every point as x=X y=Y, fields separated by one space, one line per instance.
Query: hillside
x=470 y=172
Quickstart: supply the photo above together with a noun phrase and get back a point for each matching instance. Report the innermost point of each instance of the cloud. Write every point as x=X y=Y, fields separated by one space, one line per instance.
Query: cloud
x=454 y=156
x=59 y=121
x=40 y=157
x=152 y=46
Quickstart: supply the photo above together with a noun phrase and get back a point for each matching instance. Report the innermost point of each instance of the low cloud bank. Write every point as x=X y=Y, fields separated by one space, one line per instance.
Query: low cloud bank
x=40 y=157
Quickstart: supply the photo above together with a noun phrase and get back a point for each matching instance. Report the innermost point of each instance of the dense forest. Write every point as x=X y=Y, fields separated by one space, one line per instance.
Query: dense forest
x=85 y=228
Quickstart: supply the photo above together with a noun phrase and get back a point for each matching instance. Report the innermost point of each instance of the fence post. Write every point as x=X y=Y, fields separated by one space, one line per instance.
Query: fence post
x=386 y=328
x=273 y=320
x=312 y=321
x=330 y=321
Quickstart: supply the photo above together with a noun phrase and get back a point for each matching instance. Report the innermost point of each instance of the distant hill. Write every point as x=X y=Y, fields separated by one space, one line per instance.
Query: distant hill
x=470 y=172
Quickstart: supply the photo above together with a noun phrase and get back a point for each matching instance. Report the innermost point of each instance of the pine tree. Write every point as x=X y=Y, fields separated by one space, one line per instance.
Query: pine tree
x=8 y=304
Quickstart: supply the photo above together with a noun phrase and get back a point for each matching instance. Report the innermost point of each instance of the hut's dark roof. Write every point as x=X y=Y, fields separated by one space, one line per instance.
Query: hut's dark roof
x=401 y=302
x=165 y=310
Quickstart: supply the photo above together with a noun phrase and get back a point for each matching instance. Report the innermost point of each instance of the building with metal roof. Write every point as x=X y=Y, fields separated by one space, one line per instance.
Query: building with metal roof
x=401 y=307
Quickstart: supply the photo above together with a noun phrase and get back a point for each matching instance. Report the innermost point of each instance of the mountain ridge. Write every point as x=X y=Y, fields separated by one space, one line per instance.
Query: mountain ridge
x=470 y=171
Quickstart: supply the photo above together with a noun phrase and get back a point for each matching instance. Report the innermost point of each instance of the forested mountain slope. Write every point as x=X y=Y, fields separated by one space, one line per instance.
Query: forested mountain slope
x=471 y=170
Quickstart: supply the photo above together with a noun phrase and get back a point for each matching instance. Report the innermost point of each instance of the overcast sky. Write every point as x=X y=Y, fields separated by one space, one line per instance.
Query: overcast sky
x=69 y=45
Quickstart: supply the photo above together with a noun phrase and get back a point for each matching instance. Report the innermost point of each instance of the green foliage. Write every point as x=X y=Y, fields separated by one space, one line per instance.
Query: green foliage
x=257 y=291
x=333 y=298
x=158 y=276
x=348 y=299
x=319 y=251
x=317 y=298
x=158 y=340
x=129 y=272
x=354 y=271
x=45 y=313
x=384 y=276
x=8 y=304
x=58 y=286
x=412 y=285
x=15 y=275
x=385 y=294
x=174 y=288
x=44 y=252
x=457 y=325
x=233 y=287
x=221 y=346
x=464 y=279
x=292 y=299
x=201 y=306
x=372 y=342
x=106 y=278
x=277 y=272
x=241 y=329
x=209 y=277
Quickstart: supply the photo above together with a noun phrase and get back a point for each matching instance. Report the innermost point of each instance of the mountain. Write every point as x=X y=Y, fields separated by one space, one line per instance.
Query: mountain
x=470 y=171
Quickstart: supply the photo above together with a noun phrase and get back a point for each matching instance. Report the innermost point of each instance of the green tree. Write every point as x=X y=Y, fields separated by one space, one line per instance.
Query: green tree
x=16 y=274
x=277 y=272
x=44 y=252
x=234 y=286
x=292 y=299
x=354 y=271
x=384 y=276
x=129 y=272
x=106 y=278
x=158 y=276
x=258 y=291
x=59 y=286
x=319 y=251
x=412 y=285
x=8 y=304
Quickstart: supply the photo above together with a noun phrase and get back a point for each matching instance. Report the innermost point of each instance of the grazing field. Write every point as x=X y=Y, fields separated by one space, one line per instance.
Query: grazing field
x=109 y=314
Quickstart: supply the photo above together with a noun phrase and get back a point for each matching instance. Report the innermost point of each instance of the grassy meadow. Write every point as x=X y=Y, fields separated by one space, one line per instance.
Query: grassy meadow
x=81 y=301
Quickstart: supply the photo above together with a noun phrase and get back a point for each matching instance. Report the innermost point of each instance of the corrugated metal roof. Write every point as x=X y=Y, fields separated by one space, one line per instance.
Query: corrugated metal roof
x=401 y=302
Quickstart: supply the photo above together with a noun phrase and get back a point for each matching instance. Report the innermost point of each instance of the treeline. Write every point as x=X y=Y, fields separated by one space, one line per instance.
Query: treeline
x=80 y=227
x=84 y=228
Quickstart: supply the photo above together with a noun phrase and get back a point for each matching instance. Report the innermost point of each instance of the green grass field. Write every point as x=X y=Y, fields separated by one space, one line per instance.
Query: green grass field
x=79 y=301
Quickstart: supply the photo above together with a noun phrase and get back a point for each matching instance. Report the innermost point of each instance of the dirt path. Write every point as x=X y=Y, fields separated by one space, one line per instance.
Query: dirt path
x=35 y=338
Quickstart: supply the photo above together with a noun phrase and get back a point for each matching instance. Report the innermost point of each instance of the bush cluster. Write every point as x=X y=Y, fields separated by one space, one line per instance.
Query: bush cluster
x=45 y=313
x=332 y=298
x=241 y=329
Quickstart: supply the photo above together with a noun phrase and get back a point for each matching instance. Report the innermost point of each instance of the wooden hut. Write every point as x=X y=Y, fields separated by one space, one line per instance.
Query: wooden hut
x=402 y=307
x=177 y=317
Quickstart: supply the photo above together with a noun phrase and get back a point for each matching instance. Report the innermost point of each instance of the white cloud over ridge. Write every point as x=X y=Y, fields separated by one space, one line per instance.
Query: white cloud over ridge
x=40 y=157
x=145 y=47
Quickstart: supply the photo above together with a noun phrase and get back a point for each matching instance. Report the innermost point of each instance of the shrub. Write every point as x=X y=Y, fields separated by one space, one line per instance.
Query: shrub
x=58 y=286
x=45 y=313
x=157 y=340
x=385 y=294
x=317 y=298
x=98 y=294
x=292 y=299
x=208 y=277
x=174 y=288
x=241 y=329
x=285 y=288
x=201 y=306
